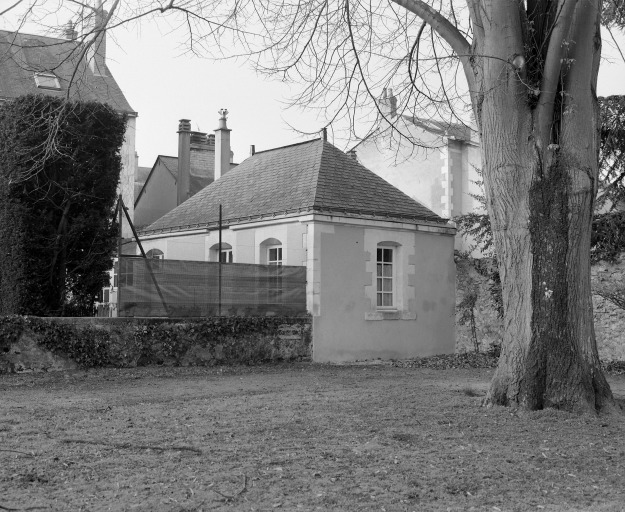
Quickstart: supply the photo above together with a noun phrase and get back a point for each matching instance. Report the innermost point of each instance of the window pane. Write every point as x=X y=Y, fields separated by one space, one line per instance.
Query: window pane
x=379 y=273
x=279 y=253
x=388 y=255
x=387 y=271
x=379 y=257
x=47 y=81
x=387 y=299
x=379 y=284
x=387 y=285
x=379 y=299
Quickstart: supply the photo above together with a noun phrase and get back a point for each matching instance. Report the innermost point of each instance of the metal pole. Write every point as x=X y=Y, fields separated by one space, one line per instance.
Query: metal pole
x=147 y=260
x=219 y=259
x=119 y=256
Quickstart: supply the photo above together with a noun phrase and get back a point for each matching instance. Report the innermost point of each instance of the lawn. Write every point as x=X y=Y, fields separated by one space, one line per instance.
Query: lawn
x=296 y=437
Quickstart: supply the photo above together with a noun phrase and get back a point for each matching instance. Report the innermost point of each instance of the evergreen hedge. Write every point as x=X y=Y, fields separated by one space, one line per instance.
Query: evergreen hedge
x=59 y=169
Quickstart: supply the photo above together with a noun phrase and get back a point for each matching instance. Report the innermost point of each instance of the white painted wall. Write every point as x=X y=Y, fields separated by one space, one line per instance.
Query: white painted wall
x=341 y=293
x=127 y=179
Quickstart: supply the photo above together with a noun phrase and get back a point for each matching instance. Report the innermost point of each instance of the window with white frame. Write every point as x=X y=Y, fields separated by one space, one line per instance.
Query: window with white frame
x=221 y=254
x=225 y=256
x=274 y=255
x=385 y=278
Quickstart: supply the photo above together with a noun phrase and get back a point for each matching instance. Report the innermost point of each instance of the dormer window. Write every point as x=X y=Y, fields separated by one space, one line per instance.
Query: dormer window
x=47 y=81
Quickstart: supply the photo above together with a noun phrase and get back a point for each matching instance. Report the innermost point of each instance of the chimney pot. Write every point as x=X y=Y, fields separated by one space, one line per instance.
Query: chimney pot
x=222 y=146
x=252 y=150
x=324 y=134
x=184 y=161
x=97 y=53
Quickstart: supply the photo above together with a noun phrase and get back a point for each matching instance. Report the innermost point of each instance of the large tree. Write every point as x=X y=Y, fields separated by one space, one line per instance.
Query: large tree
x=530 y=70
x=59 y=169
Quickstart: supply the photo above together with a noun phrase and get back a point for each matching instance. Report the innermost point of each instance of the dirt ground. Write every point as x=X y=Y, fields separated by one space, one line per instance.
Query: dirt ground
x=296 y=437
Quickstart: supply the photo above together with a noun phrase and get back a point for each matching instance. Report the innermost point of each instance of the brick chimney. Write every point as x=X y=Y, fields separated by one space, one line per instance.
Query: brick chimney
x=202 y=156
x=97 y=52
x=223 y=155
x=184 y=160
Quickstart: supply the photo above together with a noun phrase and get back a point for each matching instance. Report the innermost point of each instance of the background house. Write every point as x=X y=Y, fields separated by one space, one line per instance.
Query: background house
x=33 y=64
x=379 y=265
x=162 y=190
x=440 y=174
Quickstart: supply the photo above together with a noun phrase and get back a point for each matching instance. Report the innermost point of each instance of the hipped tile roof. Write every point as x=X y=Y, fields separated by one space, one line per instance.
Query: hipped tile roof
x=310 y=177
x=23 y=55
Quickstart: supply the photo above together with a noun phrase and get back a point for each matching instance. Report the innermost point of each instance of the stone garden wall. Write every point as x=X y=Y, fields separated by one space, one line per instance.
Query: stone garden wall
x=47 y=344
x=609 y=319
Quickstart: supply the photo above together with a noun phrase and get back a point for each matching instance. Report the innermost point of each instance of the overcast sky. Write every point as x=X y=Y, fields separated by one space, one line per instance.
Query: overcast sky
x=165 y=84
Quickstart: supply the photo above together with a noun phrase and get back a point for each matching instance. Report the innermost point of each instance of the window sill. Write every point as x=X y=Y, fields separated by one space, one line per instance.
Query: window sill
x=390 y=315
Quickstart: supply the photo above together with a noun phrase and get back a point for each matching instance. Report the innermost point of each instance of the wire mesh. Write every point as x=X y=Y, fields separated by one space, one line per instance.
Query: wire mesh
x=180 y=288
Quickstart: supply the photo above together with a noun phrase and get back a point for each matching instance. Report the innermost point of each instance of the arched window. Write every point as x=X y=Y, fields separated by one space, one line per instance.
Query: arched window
x=224 y=255
x=156 y=254
x=271 y=252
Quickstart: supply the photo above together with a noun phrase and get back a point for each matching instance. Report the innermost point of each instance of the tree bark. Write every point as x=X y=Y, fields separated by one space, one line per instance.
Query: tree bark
x=540 y=179
x=538 y=124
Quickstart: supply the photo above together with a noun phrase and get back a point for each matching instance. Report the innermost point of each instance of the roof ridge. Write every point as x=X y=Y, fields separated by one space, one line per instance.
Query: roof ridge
x=287 y=146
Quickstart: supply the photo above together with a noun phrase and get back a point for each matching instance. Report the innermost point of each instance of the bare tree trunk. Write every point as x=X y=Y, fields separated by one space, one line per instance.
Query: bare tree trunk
x=541 y=188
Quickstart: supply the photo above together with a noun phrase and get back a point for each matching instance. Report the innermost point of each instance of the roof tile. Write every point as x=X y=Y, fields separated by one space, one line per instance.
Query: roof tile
x=22 y=55
x=312 y=176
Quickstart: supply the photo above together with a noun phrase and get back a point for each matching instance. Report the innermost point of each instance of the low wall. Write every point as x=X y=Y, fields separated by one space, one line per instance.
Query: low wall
x=609 y=319
x=48 y=344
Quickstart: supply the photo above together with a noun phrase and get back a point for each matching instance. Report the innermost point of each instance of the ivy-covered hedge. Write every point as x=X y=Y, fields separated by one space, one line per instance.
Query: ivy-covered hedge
x=107 y=342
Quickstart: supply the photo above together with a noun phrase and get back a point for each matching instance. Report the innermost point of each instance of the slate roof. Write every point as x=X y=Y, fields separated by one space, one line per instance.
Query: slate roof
x=23 y=55
x=310 y=177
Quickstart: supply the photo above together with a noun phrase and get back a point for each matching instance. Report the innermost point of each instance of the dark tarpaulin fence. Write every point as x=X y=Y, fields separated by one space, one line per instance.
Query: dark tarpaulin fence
x=191 y=288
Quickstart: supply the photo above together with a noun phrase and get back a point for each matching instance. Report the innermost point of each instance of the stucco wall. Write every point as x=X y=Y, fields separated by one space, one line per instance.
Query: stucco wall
x=158 y=196
x=413 y=170
x=127 y=178
x=346 y=324
x=245 y=242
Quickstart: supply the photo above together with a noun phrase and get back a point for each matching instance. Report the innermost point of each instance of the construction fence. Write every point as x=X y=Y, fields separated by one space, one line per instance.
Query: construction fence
x=174 y=288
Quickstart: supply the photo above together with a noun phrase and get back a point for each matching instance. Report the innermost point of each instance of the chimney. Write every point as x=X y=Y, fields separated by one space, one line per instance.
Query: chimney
x=324 y=134
x=97 y=52
x=388 y=103
x=222 y=146
x=252 y=150
x=202 y=157
x=184 y=160
x=352 y=154
x=69 y=32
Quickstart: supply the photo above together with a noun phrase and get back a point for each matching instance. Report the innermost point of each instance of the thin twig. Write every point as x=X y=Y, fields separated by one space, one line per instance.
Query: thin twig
x=27 y=508
x=136 y=446
x=16 y=451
